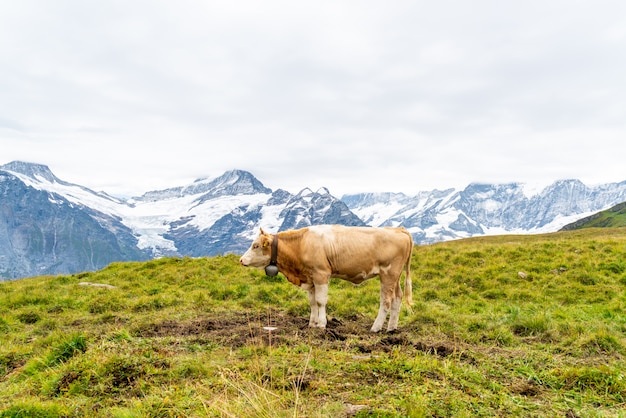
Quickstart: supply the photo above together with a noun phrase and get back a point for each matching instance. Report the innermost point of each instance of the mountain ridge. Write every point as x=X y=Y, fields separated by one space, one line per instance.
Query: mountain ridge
x=614 y=217
x=487 y=209
x=223 y=214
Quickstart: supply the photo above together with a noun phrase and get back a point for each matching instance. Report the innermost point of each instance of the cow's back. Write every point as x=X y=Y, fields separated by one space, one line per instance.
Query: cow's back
x=358 y=253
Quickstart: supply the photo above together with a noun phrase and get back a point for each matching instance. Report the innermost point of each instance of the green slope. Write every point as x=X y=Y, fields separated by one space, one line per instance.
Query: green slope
x=500 y=326
x=614 y=217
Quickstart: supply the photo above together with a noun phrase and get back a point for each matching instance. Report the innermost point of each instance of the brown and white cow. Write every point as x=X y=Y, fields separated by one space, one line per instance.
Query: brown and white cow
x=309 y=257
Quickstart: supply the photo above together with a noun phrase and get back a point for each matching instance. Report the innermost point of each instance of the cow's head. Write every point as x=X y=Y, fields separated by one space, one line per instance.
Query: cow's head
x=259 y=253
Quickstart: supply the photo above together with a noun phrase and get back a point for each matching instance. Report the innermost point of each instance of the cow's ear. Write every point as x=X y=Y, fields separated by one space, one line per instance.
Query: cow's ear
x=265 y=244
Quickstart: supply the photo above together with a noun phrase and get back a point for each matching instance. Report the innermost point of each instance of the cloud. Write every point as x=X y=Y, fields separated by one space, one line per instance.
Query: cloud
x=354 y=96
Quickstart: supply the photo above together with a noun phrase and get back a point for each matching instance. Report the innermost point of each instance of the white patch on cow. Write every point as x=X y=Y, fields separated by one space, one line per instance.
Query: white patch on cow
x=254 y=257
x=382 y=314
x=323 y=230
x=318 y=298
x=395 y=314
x=380 y=318
x=321 y=298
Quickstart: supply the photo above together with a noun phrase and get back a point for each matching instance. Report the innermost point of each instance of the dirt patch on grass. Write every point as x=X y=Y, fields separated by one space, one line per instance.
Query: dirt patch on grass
x=528 y=388
x=240 y=329
x=10 y=363
x=227 y=328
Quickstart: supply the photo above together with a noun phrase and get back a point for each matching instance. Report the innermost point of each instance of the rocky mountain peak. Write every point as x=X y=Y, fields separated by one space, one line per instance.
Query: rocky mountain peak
x=37 y=172
x=234 y=182
x=238 y=182
x=44 y=216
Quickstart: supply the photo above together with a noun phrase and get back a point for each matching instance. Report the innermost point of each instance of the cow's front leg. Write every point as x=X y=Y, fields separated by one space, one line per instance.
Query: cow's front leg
x=321 y=298
x=318 y=297
x=314 y=310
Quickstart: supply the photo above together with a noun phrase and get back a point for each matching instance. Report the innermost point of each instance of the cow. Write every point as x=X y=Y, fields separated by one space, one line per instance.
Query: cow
x=310 y=256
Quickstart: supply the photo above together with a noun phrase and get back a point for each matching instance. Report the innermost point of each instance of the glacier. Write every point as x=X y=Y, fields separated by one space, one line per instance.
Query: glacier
x=222 y=215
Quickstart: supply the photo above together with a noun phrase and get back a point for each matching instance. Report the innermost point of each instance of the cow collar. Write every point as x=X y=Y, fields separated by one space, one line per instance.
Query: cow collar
x=271 y=269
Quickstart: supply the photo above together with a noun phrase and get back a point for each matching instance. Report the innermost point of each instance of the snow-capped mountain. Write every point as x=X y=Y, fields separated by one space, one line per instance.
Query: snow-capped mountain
x=486 y=209
x=57 y=228
x=205 y=218
x=49 y=226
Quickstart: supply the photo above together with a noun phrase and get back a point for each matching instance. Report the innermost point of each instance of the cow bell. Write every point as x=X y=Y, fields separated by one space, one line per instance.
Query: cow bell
x=271 y=270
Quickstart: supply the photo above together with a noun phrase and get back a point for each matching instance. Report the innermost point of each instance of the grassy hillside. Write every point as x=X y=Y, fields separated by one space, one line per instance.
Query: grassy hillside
x=501 y=326
x=614 y=217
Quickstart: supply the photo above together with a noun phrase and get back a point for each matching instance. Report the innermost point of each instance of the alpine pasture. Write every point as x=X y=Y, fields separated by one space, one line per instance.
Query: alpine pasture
x=515 y=325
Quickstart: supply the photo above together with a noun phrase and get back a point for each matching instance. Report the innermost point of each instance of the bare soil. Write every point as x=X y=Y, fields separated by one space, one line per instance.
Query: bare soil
x=279 y=328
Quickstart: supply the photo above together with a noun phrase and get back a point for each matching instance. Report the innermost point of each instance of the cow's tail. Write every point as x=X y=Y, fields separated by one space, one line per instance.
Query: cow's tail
x=408 y=285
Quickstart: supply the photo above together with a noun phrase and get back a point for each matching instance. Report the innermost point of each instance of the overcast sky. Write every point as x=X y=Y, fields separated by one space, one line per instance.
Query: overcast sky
x=403 y=96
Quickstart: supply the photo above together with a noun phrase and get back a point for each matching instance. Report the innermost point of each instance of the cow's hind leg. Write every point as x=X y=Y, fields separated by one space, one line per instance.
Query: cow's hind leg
x=396 y=304
x=386 y=296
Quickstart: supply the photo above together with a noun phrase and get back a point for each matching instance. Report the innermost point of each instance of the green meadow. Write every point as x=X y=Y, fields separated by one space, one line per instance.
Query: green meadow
x=531 y=326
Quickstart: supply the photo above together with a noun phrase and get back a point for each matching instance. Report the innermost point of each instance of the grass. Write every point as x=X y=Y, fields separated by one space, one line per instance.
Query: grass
x=611 y=218
x=501 y=326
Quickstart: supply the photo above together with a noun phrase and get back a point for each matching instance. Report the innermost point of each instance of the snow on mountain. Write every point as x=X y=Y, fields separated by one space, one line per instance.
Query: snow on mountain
x=44 y=232
x=40 y=177
x=235 y=182
x=376 y=208
x=147 y=223
x=164 y=220
x=486 y=209
x=223 y=214
x=31 y=171
x=150 y=216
